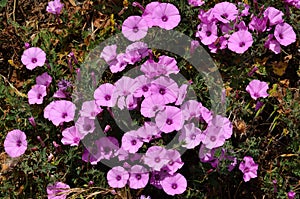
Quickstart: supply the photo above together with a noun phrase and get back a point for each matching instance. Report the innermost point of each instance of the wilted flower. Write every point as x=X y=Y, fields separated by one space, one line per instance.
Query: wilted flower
x=291 y=195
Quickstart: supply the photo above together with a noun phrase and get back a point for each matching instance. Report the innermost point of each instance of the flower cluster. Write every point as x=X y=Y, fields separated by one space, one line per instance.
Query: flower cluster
x=224 y=26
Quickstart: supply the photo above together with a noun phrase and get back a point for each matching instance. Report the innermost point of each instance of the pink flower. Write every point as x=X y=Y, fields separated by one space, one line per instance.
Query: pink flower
x=167 y=65
x=148 y=12
x=90 y=109
x=274 y=15
x=225 y=12
x=291 y=195
x=15 y=143
x=131 y=142
x=58 y=190
x=139 y=177
x=36 y=94
x=284 y=34
x=170 y=119
x=104 y=95
x=165 y=87
x=257 y=89
x=54 y=7
x=155 y=157
x=134 y=28
x=175 y=184
x=191 y=135
x=143 y=86
x=85 y=125
x=44 y=79
x=272 y=44
x=240 y=41
x=166 y=16
x=208 y=33
x=196 y=2
x=119 y=64
x=174 y=161
x=60 y=111
x=33 y=57
x=71 y=136
x=117 y=177
x=151 y=105
x=109 y=54
x=249 y=168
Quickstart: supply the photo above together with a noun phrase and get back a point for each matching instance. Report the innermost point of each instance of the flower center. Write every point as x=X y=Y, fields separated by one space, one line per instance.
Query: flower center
x=64 y=115
x=19 y=143
x=225 y=15
x=246 y=170
x=145 y=88
x=169 y=121
x=135 y=29
x=133 y=142
x=208 y=33
x=213 y=138
x=162 y=91
x=39 y=96
x=280 y=36
x=107 y=97
x=118 y=178
x=157 y=159
x=33 y=60
x=76 y=139
x=164 y=18
x=193 y=137
x=174 y=186
x=138 y=176
x=157 y=177
x=242 y=44
x=87 y=127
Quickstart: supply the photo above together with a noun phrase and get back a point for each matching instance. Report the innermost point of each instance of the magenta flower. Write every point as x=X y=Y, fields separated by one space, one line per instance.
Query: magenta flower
x=117 y=177
x=249 y=168
x=58 y=190
x=15 y=143
x=109 y=54
x=134 y=28
x=196 y=3
x=54 y=7
x=150 y=68
x=272 y=44
x=71 y=136
x=139 y=177
x=131 y=142
x=33 y=57
x=258 y=24
x=166 y=16
x=213 y=137
x=148 y=131
x=240 y=41
x=36 y=94
x=104 y=95
x=284 y=34
x=170 y=119
x=221 y=44
x=291 y=195
x=44 y=79
x=257 y=89
x=140 y=47
x=191 y=135
x=90 y=109
x=156 y=158
x=60 y=111
x=274 y=16
x=207 y=33
x=225 y=12
x=175 y=184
